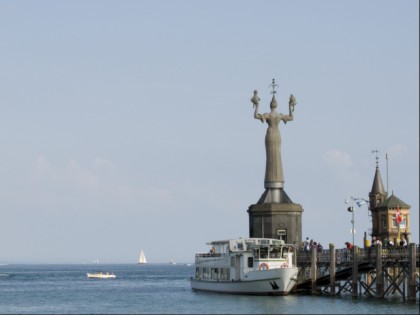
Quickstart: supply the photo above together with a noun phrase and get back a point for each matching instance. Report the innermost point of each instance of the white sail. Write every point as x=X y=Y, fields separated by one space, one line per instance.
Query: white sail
x=142 y=258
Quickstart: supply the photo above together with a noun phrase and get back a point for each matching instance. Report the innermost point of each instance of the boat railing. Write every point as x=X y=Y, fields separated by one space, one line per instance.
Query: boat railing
x=207 y=255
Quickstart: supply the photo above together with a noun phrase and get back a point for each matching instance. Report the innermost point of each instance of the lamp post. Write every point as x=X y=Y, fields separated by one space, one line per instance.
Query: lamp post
x=351 y=209
x=359 y=202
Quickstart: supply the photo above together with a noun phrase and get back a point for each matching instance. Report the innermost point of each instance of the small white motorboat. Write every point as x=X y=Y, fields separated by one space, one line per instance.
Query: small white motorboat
x=101 y=275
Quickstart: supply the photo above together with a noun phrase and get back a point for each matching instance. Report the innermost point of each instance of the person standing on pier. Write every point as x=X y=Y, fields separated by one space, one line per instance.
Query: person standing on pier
x=349 y=245
x=306 y=246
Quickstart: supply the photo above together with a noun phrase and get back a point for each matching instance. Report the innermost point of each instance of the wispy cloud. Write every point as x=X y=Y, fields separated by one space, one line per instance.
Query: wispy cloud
x=103 y=163
x=338 y=160
x=82 y=177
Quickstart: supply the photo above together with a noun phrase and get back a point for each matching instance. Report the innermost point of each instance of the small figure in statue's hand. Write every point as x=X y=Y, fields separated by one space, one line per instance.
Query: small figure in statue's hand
x=255 y=99
x=292 y=102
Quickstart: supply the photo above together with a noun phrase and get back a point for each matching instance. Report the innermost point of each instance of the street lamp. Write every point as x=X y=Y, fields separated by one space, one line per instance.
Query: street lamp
x=351 y=209
x=359 y=202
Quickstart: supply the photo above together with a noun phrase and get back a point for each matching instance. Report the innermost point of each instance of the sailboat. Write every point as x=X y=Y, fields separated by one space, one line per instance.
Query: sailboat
x=142 y=258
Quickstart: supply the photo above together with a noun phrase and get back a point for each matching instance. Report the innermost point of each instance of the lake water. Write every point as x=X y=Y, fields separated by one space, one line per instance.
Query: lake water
x=157 y=289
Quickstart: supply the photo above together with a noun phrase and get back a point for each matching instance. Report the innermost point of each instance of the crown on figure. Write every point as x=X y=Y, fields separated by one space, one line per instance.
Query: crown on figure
x=273 y=103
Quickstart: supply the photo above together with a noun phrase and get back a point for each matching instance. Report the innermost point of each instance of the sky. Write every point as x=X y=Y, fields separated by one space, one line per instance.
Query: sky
x=127 y=125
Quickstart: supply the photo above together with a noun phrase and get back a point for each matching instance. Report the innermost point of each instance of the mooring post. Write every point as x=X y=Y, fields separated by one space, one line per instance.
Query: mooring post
x=332 y=269
x=313 y=270
x=379 y=272
x=412 y=272
x=355 y=271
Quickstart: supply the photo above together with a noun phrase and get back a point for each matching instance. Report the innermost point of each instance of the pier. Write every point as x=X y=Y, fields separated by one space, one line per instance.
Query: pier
x=378 y=272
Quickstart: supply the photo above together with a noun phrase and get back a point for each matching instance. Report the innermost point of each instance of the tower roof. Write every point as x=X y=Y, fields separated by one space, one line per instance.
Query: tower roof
x=378 y=186
x=267 y=197
x=394 y=202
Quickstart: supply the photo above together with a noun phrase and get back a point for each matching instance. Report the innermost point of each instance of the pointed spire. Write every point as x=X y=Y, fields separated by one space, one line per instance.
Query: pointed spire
x=377 y=194
x=378 y=186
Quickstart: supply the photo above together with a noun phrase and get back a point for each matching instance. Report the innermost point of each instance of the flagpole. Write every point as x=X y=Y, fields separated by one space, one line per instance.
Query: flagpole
x=386 y=156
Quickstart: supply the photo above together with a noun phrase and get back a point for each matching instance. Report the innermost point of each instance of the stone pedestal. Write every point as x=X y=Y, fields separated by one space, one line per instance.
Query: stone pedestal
x=276 y=220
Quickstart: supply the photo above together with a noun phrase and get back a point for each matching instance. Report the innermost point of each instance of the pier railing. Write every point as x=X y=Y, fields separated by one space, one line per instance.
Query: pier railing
x=377 y=270
x=344 y=256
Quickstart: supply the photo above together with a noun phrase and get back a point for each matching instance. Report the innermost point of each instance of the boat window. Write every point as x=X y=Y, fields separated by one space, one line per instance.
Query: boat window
x=256 y=253
x=197 y=272
x=250 y=262
x=275 y=252
x=224 y=273
x=206 y=273
x=232 y=261
x=214 y=273
x=264 y=253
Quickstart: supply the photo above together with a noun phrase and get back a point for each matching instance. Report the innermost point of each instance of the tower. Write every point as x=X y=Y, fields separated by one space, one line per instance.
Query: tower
x=390 y=215
x=275 y=215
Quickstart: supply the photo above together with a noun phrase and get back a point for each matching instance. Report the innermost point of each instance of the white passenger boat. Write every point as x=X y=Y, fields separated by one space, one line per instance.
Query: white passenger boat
x=101 y=275
x=255 y=266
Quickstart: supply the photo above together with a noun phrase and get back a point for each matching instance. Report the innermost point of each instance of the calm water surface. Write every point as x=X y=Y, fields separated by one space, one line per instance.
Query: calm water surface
x=158 y=289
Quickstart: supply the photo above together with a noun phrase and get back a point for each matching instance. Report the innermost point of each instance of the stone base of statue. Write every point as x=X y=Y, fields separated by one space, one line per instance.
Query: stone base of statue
x=276 y=216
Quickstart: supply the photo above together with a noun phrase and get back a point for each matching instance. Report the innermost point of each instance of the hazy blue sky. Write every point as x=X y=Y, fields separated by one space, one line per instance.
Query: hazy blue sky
x=128 y=124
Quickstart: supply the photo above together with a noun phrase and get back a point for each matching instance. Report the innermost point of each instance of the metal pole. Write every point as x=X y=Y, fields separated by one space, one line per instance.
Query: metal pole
x=352 y=218
x=352 y=215
x=386 y=155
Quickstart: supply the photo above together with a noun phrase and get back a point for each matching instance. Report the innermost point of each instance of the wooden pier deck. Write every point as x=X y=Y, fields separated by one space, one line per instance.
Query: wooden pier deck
x=375 y=271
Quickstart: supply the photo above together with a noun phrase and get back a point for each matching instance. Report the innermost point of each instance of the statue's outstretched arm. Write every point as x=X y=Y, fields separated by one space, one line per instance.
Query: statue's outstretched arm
x=257 y=115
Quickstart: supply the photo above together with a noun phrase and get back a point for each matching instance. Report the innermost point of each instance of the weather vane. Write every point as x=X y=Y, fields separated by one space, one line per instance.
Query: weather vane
x=377 y=158
x=273 y=85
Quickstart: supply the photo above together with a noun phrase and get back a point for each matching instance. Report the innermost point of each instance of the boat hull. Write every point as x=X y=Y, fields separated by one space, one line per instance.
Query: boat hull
x=101 y=276
x=263 y=282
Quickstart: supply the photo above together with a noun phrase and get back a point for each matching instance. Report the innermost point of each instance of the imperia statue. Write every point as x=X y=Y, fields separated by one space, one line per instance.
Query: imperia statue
x=274 y=177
